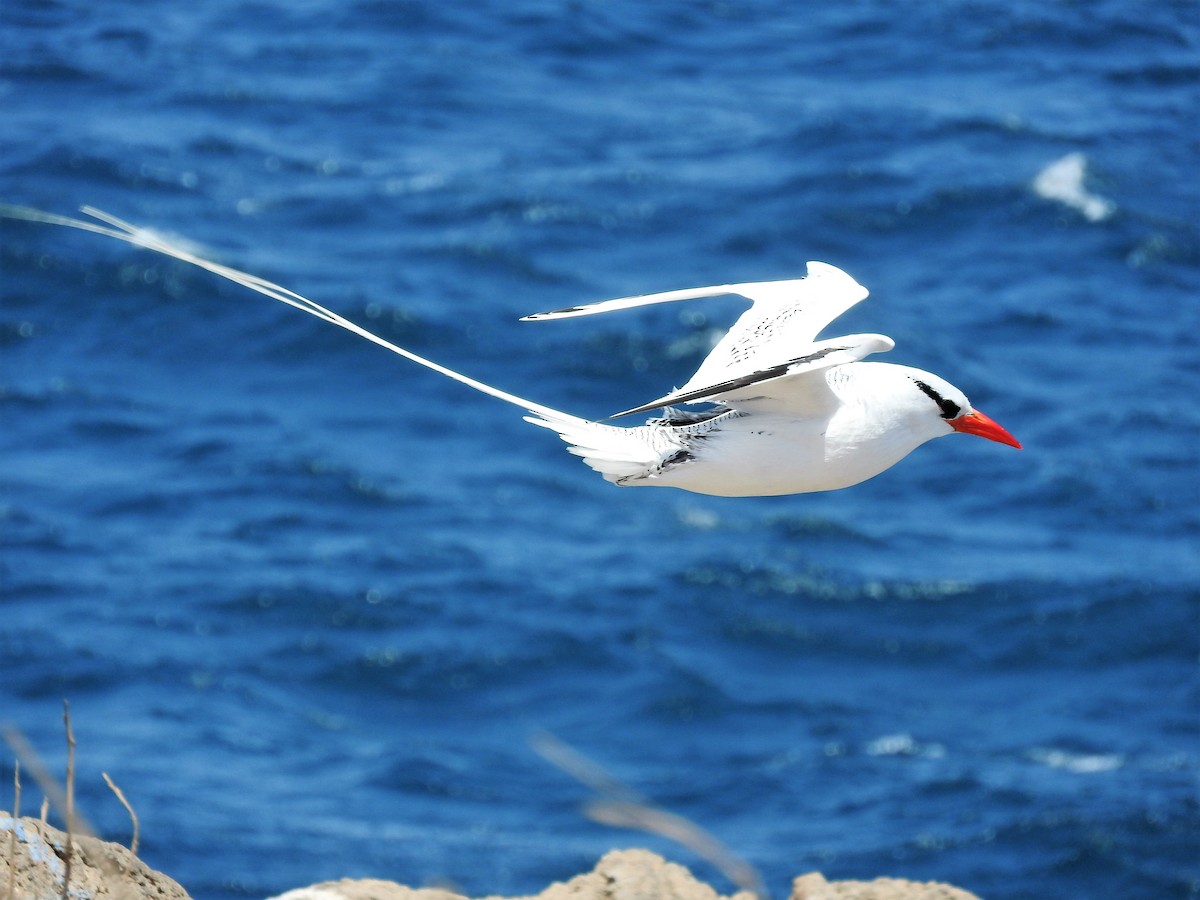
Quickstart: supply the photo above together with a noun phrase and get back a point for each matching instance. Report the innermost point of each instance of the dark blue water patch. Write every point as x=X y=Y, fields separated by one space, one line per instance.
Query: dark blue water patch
x=1164 y=74
x=1010 y=625
x=23 y=528
x=49 y=72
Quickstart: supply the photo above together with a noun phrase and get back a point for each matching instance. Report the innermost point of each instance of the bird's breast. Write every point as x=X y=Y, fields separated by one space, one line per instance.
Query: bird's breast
x=769 y=456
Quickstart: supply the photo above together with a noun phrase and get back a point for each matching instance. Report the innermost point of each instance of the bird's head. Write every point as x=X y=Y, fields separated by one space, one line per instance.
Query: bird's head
x=937 y=397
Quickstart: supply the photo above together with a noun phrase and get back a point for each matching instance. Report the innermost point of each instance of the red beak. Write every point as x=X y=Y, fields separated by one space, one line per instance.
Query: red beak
x=978 y=423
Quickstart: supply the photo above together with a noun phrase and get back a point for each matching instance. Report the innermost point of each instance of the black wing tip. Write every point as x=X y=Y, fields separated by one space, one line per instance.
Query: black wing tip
x=533 y=317
x=633 y=412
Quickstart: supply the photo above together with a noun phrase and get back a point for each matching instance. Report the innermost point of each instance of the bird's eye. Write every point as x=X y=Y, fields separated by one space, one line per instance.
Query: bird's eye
x=950 y=409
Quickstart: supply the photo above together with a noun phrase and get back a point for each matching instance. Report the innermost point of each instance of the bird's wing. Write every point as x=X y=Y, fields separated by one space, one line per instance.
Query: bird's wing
x=781 y=325
x=824 y=295
x=591 y=309
x=790 y=386
x=777 y=330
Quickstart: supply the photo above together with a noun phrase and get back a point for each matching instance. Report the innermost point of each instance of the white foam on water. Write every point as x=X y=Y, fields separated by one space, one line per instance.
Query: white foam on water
x=1062 y=181
x=1079 y=763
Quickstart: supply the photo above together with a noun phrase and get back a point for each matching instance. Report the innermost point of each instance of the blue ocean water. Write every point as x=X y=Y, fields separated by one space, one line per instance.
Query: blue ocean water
x=309 y=602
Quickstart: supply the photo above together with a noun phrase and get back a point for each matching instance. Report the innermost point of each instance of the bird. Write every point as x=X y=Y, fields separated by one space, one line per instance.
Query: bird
x=780 y=412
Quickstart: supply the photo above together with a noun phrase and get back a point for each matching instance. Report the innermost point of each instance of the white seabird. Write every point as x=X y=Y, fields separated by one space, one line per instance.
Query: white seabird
x=786 y=414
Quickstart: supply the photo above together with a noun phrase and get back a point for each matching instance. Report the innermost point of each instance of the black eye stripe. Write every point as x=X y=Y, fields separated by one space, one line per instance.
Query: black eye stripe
x=949 y=408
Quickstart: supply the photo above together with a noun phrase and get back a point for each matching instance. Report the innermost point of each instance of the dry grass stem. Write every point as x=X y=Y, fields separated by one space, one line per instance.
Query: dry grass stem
x=12 y=835
x=133 y=844
x=622 y=807
x=70 y=812
x=561 y=754
x=23 y=750
x=76 y=824
x=52 y=791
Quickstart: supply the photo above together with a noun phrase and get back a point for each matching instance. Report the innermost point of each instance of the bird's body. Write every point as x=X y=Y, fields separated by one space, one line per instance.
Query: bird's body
x=856 y=434
x=784 y=414
x=793 y=415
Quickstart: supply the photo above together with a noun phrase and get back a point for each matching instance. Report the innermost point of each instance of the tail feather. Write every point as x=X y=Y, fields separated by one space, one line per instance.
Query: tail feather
x=152 y=240
x=616 y=453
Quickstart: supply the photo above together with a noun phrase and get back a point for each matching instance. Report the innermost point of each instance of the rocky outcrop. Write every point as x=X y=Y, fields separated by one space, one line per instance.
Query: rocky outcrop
x=641 y=875
x=103 y=871
x=620 y=875
x=33 y=858
x=814 y=887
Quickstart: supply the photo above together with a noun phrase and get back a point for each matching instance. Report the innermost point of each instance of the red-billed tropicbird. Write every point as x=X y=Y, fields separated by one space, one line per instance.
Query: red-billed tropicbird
x=786 y=414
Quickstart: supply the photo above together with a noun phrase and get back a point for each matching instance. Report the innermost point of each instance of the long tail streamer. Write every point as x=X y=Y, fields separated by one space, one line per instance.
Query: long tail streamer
x=150 y=240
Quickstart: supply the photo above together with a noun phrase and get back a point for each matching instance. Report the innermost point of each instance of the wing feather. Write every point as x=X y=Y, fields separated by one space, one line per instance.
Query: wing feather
x=591 y=309
x=824 y=294
x=779 y=327
x=819 y=356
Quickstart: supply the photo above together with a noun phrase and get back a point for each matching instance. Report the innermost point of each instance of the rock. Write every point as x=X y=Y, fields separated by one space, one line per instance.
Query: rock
x=634 y=875
x=99 y=870
x=641 y=875
x=813 y=886
x=104 y=871
x=620 y=875
x=366 y=889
